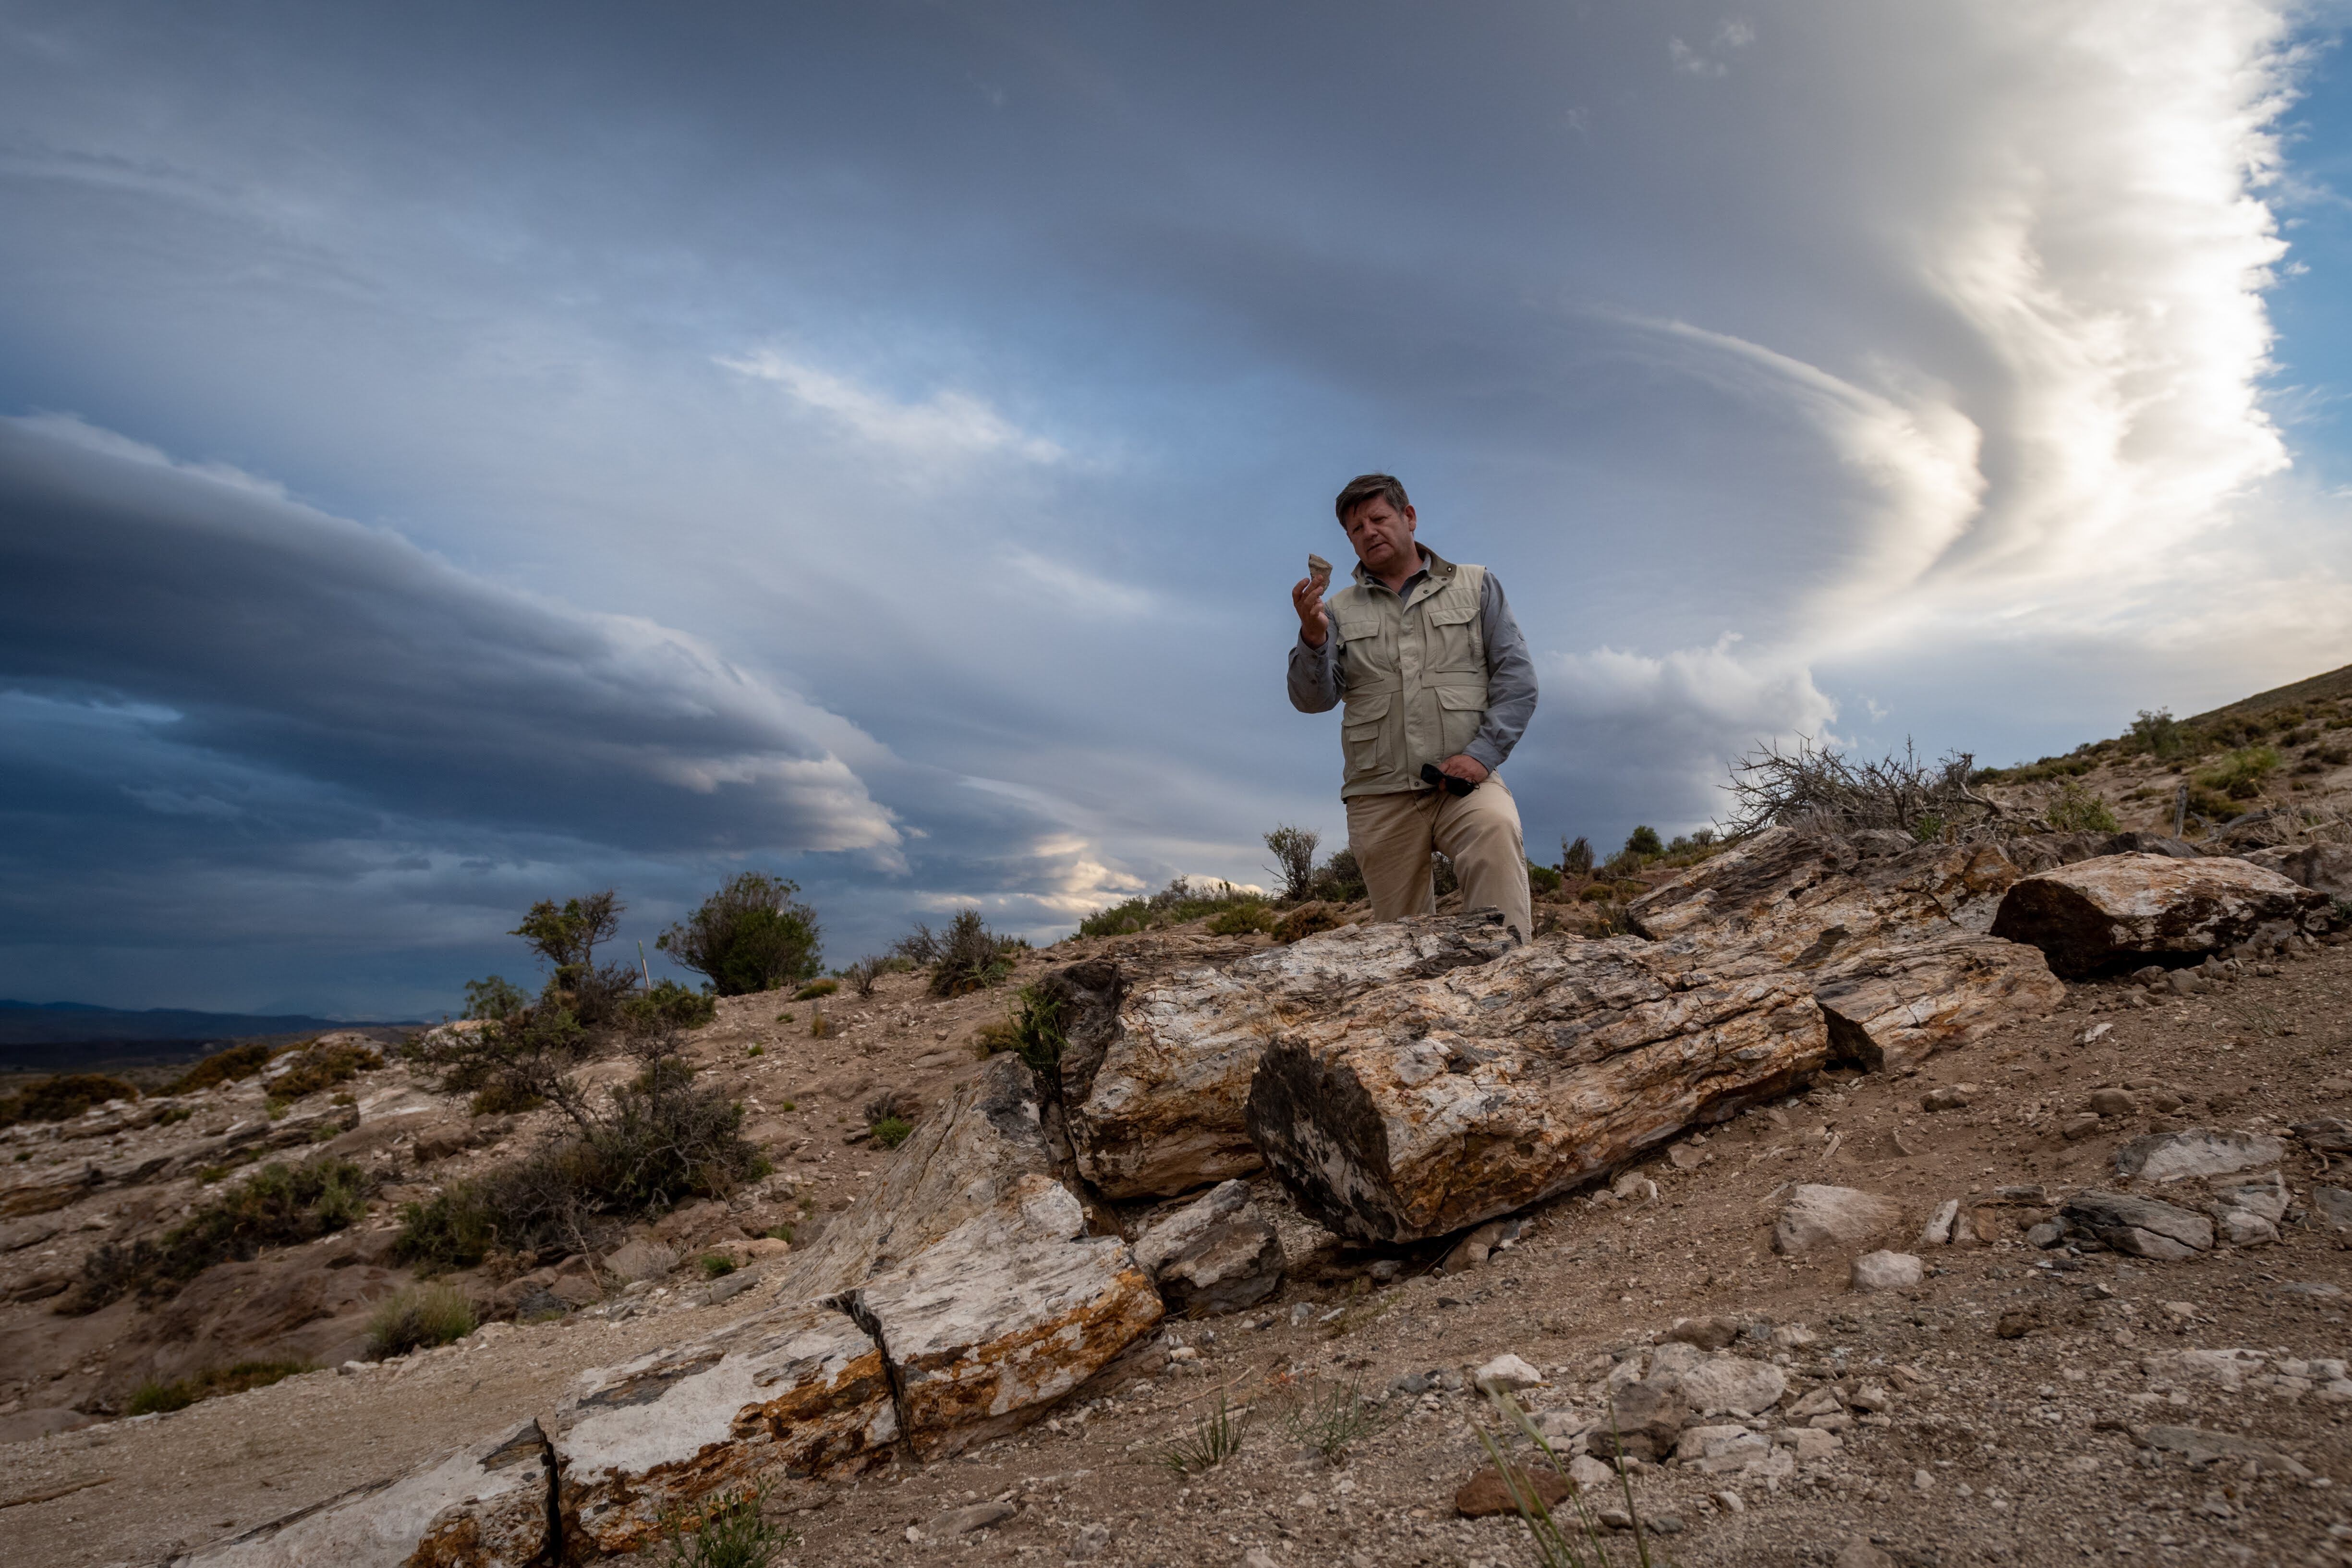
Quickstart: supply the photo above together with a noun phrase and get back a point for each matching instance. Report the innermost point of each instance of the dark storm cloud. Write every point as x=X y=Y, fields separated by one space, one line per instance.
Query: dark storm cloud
x=304 y=644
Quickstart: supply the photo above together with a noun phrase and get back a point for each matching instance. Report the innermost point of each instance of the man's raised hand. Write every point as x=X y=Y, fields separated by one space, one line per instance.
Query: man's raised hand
x=1314 y=625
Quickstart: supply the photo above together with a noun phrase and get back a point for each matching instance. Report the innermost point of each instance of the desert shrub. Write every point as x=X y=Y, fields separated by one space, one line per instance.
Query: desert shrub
x=1810 y=786
x=2159 y=734
x=656 y=1141
x=418 y=1319
x=510 y=1063
x=865 y=974
x=2239 y=776
x=64 y=1096
x=750 y=935
x=223 y=1066
x=1339 y=880
x=1293 y=860
x=1645 y=841
x=1598 y=893
x=715 y=1265
x=727 y=1532
x=493 y=998
x=1181 y=901
x=1239 y=919
x=893 y=1105
x=318 y=1066
x=2077 y=810
x=972 y=957
x=1214 y=1438
x=668 y=1006
x=1308 y=919
x=1037 y=1032
x=565 y=939
x=892 y=1130
x=1576 y=859
x=1543 y=879
x=278 y=1205
x=153 y=1396
x=816 y=988
x=1442 y=876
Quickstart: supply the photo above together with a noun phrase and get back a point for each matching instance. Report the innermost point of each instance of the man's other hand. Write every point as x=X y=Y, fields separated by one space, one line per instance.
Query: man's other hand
x=1316 y=627
x=1464 y=766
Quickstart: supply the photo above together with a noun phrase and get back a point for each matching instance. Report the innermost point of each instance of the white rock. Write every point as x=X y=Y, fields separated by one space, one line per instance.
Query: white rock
x=1591 y=1475
x=1729 y=1383
x=1937 y=1231
x=1815 y=1215
x=1507 y=1374
x=1888 y=1271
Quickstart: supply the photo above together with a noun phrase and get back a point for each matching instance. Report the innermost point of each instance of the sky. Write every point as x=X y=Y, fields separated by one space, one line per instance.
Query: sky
x=453 y=456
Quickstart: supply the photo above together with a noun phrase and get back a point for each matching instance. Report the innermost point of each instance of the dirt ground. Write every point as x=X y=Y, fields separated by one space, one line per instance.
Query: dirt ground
x=2014 y=1379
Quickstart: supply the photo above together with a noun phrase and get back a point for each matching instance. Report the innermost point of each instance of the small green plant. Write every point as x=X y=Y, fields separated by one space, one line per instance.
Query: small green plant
x=1574 y=1539
x=276 y=1207
x=1645 y=840
x=782 y=1233
x=820 y=1026
x=1332 y=1419
x=494 y=998
x=1576 y=859
x=1928 y=828
x=786 y=1016
x=1184 y=899
x=418 y=1319
x=1216 y=1437
x=1293 y=860
x=2239 y=776
x=750 y=935
x=715 y=1265
x=316 y=1067
x=175 y=1114
x=154 y=1396
x=2161 y=735
x=757 y=1051
x=1543 y=879
x=2077 y=810
x=727 y=1532
x=1598 y=893
x=816 y=988
x=1037 y=1032
x=970 y=956
x=892 y=1130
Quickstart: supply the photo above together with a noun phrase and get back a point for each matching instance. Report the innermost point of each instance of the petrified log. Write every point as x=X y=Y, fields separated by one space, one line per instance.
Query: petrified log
x=1153 y=1082
x=2120 y=911
x=957 y=1298
x=1891 y=934
x=1425 y=1107
x=1214 y=1255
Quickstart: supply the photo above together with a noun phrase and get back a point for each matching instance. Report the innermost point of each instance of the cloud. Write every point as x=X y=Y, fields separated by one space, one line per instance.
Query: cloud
x=945 y=424
x=296 y=641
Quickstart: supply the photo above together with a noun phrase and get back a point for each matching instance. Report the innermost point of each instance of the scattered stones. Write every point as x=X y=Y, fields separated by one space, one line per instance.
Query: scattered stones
x=2164 y=1157
x=2119 y=911
x=1487 y=1492
x=1815 y=1215
x=1888 y=1271
x=2141 y=1227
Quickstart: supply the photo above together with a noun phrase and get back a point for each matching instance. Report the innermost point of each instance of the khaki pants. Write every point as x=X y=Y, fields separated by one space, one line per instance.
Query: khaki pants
x=1479 y=832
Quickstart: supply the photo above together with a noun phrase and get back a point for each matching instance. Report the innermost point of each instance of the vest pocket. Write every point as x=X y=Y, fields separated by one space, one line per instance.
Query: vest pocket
x=1460 y=711
x=1451 y=638
x=1360 y=730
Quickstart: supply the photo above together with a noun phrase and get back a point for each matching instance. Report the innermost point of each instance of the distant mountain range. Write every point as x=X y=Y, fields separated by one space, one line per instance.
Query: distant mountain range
x=52 y=1034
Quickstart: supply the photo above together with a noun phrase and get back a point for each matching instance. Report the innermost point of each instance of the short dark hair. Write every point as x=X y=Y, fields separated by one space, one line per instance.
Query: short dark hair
x=1366 y=487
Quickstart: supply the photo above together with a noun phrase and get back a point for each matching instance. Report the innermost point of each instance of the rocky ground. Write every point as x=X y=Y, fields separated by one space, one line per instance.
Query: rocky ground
x=2018 y=1405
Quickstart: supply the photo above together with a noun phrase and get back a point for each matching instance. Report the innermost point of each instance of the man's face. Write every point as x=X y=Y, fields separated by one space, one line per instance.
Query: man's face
x=1382 y=536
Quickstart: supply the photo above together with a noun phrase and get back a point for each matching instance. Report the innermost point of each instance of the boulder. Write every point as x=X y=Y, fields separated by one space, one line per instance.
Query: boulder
x=640 y=1259
x=2120 y=911
x=1507 y=1374
x=1422 y=1108
x=2322 y=867
x=1840 y=1217
x=1647 y=1418
x=957 y=1299
x=2200 y=1152
x=1727 y=1384
x=1490 y=1492
x=1215 y=1255
x=2141 y=1227
x=1154 y=1080
x=1891 y=934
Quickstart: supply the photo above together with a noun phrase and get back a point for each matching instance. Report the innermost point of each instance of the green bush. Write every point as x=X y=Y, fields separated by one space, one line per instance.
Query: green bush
x=565 y=939
x=1543 y=879
x=668 y=1006
x=1339 y=880
x=727 y=1532
x=2077 y=810
x=2239 y=776
x=1240 y=920
x=715 y=1265
x=892 y=1130
x=493 y=998
x=1576 y=859
x=2161 y=735
x=1293 y=860
x=153 y=1396
x=418 y=1319
x=816 y=988
x=1644 y=841
x=223 y=1066
x=278 y=1205
x=64 y=1096
x=510 y=1063
x=1181 y=900
x=750 y=935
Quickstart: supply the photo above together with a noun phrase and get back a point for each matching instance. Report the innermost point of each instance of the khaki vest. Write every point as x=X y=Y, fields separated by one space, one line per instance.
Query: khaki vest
x=1416 y=675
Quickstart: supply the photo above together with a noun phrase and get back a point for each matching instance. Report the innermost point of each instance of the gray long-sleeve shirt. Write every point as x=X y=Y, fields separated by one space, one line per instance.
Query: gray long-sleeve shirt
x=1317 y=679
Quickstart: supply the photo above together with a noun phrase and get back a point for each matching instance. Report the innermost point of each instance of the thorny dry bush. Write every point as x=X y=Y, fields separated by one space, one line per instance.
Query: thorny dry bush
x=1810 y=787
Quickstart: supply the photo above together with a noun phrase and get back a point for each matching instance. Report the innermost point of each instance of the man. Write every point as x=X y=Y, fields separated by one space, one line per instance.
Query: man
x=1434 y=672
